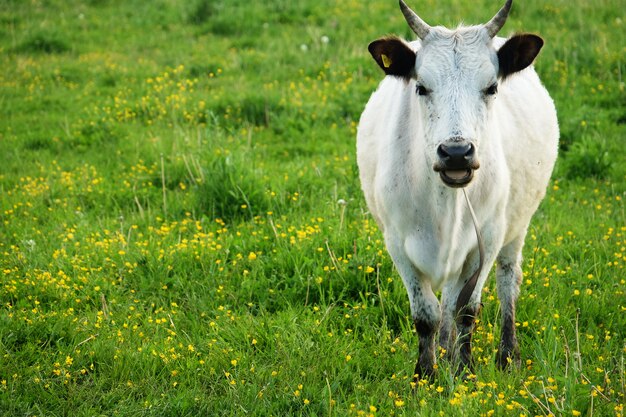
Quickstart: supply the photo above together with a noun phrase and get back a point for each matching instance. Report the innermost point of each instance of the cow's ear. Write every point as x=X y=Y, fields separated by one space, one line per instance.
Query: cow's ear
x=517 y=53
x=394 y=56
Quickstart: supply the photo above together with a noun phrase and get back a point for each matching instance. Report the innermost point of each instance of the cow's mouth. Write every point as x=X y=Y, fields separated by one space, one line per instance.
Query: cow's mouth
x=456 y=178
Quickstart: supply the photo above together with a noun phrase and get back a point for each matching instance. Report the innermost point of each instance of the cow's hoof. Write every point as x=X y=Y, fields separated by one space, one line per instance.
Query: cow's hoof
x=422 y=373
x=508 y=358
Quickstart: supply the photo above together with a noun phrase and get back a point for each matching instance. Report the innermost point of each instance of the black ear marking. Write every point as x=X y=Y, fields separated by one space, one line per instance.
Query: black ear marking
x=518 y=53
x=394 y=56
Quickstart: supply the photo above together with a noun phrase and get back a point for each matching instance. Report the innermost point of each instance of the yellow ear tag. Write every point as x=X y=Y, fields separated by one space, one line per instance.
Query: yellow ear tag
x=386 y=60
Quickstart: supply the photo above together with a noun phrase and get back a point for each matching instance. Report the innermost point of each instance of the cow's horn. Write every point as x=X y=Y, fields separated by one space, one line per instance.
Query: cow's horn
x=496 y=23
x=416 y=24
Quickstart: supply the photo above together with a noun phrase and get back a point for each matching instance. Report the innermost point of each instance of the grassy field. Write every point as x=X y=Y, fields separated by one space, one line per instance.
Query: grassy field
x=183 y=231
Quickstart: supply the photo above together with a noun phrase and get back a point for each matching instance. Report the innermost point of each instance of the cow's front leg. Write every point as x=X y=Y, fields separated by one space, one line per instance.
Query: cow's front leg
x=426 y=327
x=426 y=315
x=425 y=309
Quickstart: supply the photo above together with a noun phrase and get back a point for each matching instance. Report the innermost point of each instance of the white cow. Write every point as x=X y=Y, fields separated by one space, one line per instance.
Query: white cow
x=453 y=102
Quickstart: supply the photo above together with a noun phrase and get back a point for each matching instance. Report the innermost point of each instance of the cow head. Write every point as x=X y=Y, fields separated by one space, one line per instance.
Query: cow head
x=456 y=75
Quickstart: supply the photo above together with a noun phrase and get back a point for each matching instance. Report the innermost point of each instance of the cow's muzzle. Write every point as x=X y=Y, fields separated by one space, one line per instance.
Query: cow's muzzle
x=457 y=162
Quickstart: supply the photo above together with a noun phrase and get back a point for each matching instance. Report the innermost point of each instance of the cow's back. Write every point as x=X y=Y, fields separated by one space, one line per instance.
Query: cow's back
x=381 y=119
x=527 y=120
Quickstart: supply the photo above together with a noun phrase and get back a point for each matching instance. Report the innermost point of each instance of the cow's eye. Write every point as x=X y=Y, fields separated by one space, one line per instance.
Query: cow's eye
x=422 y=91
x=492 y=89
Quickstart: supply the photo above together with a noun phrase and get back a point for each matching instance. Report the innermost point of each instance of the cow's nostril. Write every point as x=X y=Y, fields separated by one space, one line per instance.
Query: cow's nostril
x=456 y=152
x=442 y=152
x=470 y=151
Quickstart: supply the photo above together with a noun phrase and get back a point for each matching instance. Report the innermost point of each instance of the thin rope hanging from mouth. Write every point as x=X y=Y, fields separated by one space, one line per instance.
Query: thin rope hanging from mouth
x=470 y=285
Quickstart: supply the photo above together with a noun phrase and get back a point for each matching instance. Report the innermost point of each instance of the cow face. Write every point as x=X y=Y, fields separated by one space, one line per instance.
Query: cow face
x=455 y=75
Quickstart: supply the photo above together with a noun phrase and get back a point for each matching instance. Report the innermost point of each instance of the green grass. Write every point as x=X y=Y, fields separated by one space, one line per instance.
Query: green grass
x=183 y=232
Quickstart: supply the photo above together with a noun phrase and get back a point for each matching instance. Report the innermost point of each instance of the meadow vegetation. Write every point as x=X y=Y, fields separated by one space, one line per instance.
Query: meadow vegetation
x=183 y=232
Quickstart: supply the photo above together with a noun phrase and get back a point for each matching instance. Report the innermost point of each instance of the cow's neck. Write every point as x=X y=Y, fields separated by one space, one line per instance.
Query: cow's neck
x=468 y=289
x=446 y=223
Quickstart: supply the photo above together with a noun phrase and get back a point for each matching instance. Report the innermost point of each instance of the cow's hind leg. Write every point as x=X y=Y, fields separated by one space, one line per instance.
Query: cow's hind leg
x=509 y=278
x=458 y=346
x=467 y=309
x=447 y=332
x=465 y=321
